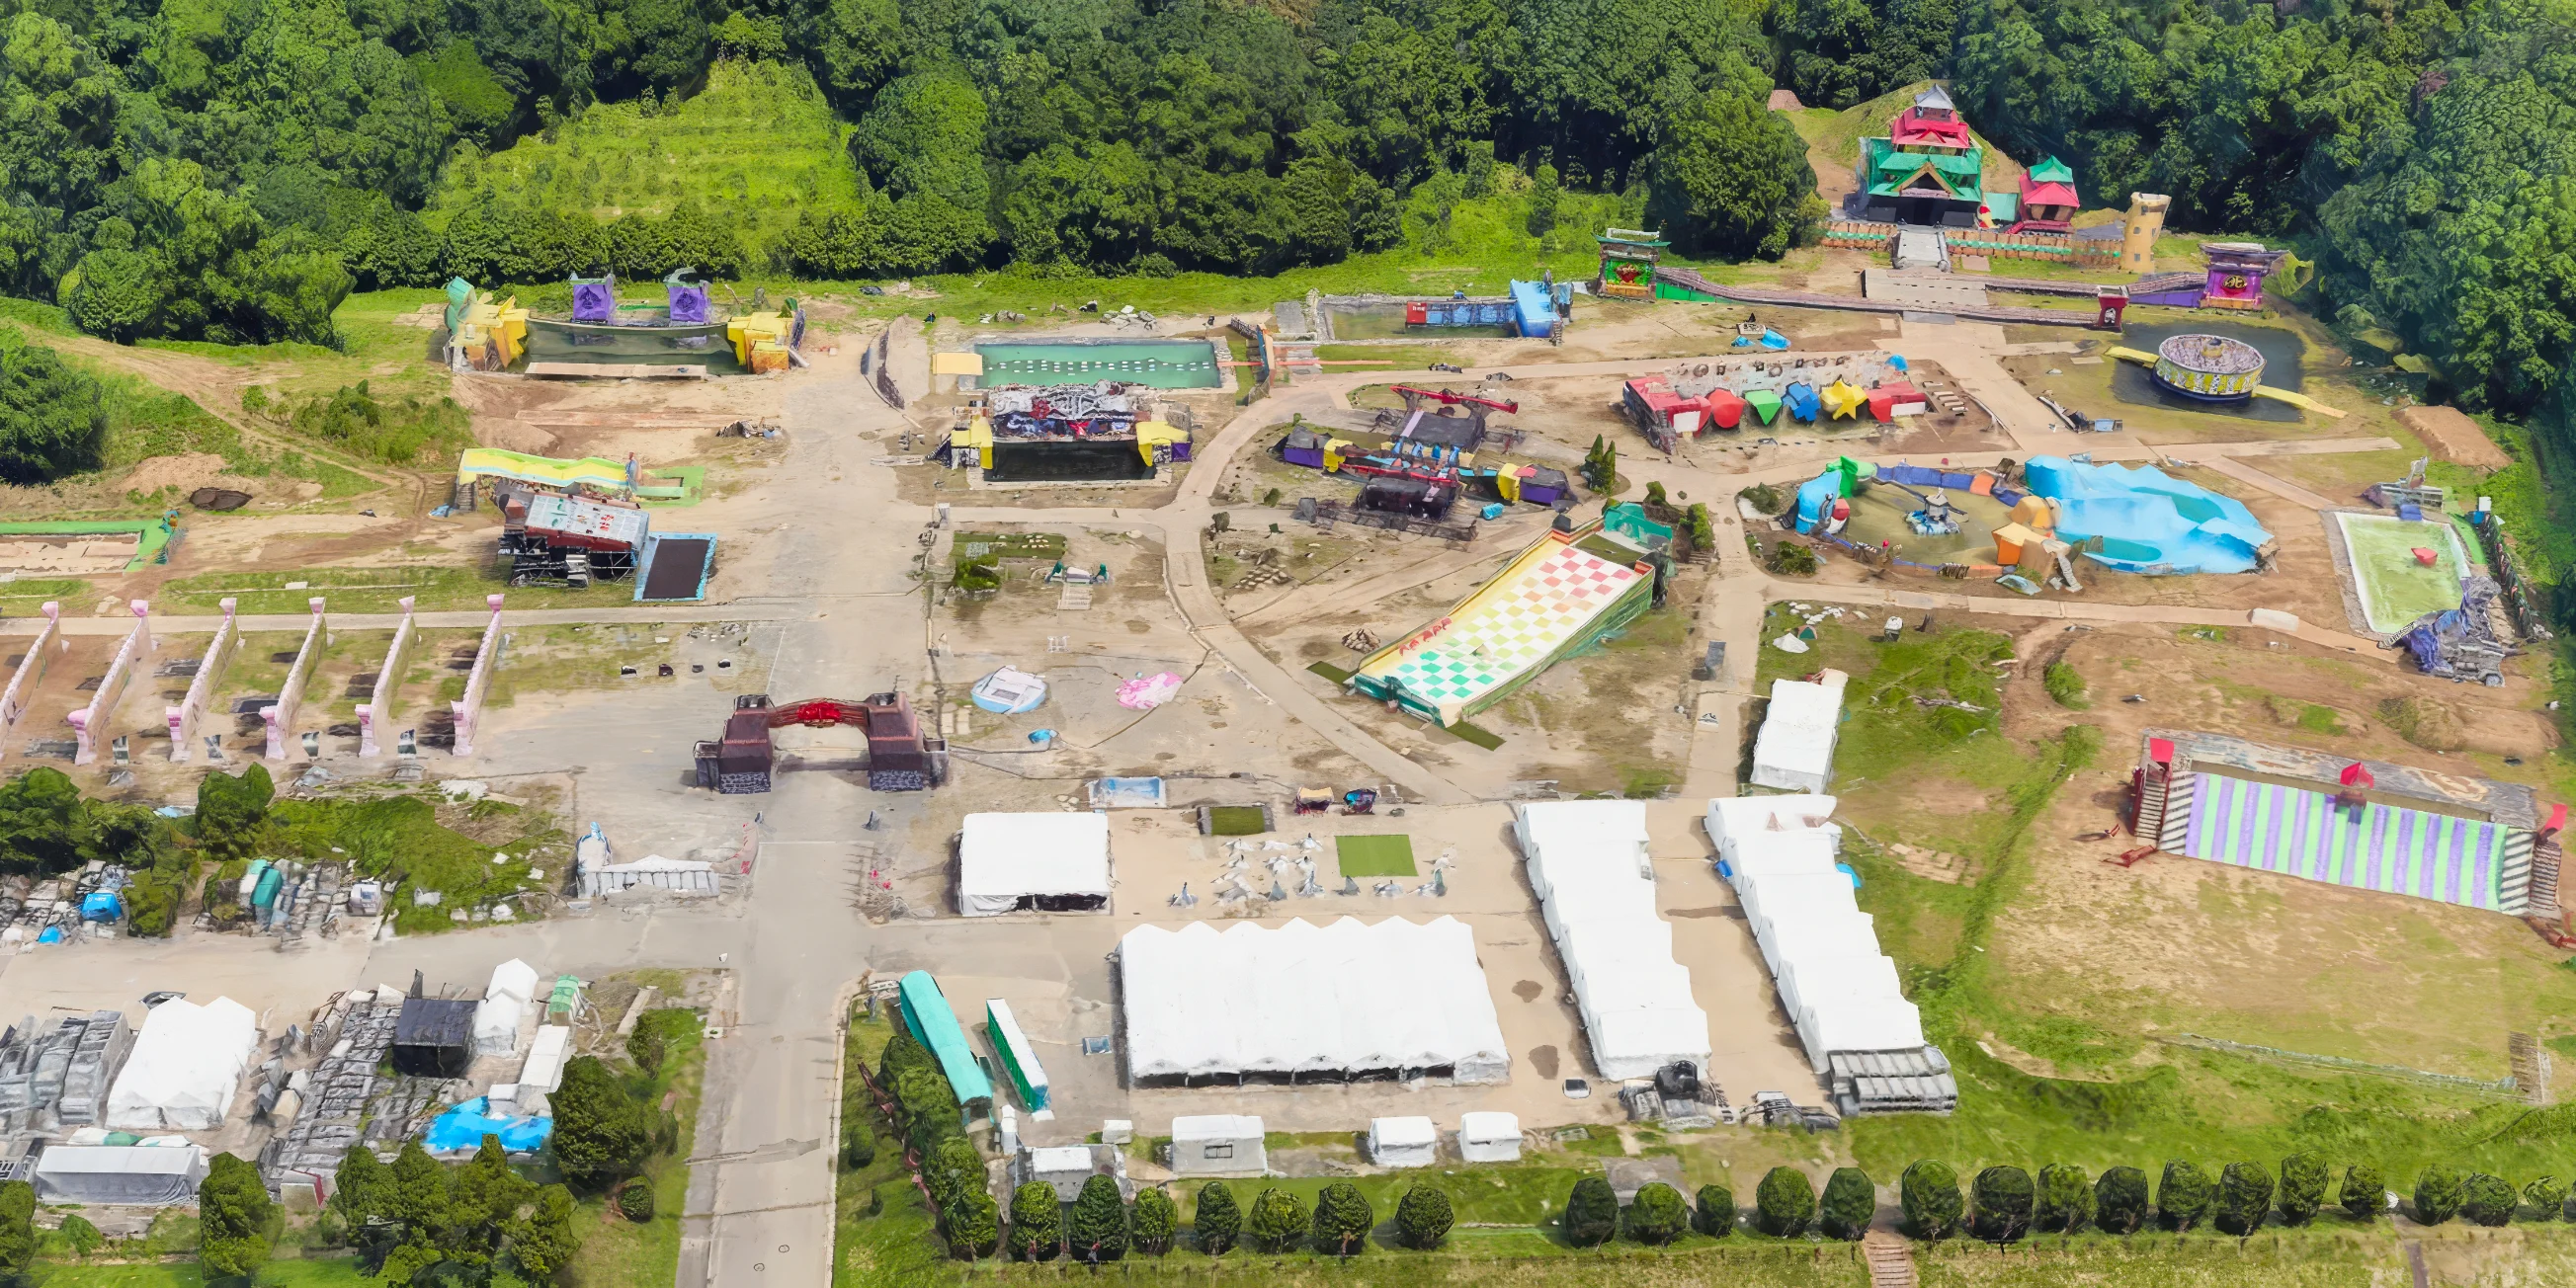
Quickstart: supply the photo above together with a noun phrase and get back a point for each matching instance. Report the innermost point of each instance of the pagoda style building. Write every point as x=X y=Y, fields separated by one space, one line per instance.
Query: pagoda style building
x=1927 y=170
x=2048 y=200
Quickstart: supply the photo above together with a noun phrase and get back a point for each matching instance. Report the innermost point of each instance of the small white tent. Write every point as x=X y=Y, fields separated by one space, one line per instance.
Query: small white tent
x=1056 y=862
x=1795 y=750
x=1485 y=1136
x=1403 y=1142
x=504 y=1008
x=1217 y=1145
x=186 y=1065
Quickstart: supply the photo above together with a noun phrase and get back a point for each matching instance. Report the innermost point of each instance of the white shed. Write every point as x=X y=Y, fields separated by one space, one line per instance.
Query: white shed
x=1488 y=1137
x=1218 y=1145
x=1795 y=750
x=1403 y=1142
x=1054 y=862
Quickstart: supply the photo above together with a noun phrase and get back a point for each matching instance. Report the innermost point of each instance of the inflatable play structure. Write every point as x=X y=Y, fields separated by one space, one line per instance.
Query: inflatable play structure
x=598 y=473
x=2132 y=520
x=1691 y=402
x=1566 y=591
x=2143 y=520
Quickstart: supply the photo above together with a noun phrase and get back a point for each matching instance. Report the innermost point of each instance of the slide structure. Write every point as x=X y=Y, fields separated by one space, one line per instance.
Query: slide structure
x=492 y=462
x=1563 y=593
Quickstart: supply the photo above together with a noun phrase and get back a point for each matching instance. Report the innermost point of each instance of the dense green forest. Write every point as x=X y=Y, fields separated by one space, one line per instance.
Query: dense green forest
x=229 y=169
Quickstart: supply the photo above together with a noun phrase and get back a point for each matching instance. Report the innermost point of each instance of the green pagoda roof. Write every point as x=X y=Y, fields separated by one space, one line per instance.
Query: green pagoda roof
x=2052 y=170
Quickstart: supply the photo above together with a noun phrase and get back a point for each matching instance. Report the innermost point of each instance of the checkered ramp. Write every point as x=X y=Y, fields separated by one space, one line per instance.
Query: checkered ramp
x=1510 y=629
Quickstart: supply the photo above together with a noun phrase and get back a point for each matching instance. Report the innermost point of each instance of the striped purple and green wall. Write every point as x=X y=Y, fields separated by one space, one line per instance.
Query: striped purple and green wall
x=2274 y=828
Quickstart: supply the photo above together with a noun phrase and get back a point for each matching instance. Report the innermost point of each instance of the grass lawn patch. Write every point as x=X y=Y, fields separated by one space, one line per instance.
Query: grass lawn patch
x=1010 y=545
x=1375 y=856
x=1478 y=734
x=399 y=837
x=184 y=1274
x=379 y=590
x=1237 y=820
x=1330 y=672
x=882 y=1234
x=617 y=1252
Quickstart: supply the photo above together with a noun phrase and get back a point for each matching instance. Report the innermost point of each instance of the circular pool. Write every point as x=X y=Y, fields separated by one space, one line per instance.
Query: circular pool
x=2212 y=368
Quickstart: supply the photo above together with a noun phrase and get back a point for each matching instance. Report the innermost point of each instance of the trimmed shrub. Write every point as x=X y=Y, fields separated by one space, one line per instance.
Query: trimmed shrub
x=1276 y=1221
x=635 y=1199
x=83 y=1236
x=1218 y=1219
x=1343 y=1219
x=2184 y=1195
x=2438 y=1194
x=2120 y=1200
x=1713 y=1211
x=2364 y=1193
x=974 y=1225
x=2547 y=1193
x=1850 y=1201
x=1098 y=1230
x=1037 y=1222
x=1789 y=559
x=1423 y=1217
x=2003 y=1198
x=1591 y=1213
x=952 y=1169
x=2244 y=1198
x=2487 y=1200
x=2303 y=1188
x=1785 y=1202
x=2064 y=1203
x=1929 y=1191
x=1657 y=1215
x=1153 y=1222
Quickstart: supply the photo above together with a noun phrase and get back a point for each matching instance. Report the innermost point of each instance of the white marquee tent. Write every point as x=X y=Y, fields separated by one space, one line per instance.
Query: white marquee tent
x=121 y=1175
x=186 y=1064
x=1304 y=1000
x=504 y=1007
x=1053 y=862
x=1487 y=1136
x=1795 y=750
x=1403 y=1142
x=1588 y=863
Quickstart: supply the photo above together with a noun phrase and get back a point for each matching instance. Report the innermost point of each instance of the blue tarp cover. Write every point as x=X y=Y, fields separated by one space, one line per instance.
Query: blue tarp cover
x=101 y=905
x=465 y=1126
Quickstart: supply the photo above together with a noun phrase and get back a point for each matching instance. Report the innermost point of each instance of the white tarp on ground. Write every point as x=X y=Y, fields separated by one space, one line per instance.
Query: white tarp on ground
x=1403 y=1142
x=1485 y=1136
x=186 y=1064
x=1840 y=991
x=1587 y=861
x=1205 y=1003
x=1795 y=750
x=128 y=1175
x=1007 y=860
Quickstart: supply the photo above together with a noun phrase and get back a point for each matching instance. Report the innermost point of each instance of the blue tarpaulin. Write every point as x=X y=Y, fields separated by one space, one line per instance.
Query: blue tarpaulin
x=101 y=905
x=464 y=1127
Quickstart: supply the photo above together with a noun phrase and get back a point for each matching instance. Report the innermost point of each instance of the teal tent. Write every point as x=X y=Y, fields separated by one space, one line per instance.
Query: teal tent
x=927 y=1014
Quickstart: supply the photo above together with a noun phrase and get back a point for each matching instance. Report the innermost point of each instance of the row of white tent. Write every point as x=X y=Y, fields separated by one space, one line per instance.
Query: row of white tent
x=1304 y=999
x=1587 y=862
x=1841 y=992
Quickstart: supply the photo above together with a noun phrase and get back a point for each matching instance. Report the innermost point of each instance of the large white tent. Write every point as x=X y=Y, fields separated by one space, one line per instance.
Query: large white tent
x=1055 y=862
x=1308 y=1001
x=1795 y=750
x=120 y=1175
x=1842 y=994
x=187 y=1063
x=1588 y=864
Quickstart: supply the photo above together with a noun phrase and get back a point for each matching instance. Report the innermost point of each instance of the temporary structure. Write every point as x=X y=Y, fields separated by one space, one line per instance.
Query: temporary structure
x=1395 y=998
x=1842 y=994
x=1019 y=1058
x=1732 y=818
x=1795 y=750
x=120 y=1175
x=1403 y=1142
x=186 y=1064
x=547 y=1056
x=1587 y=861
x=504 y=1007
x=434 y=1037
x=1049 y=862
x=1217 y=1145
x=1485 y=1136
x=934 y=1024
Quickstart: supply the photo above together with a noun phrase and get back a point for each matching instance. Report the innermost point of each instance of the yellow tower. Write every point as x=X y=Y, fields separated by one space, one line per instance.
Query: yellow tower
x=2138 y=236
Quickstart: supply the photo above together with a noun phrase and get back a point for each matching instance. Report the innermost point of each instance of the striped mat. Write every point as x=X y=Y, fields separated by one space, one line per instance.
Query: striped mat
x=2301 y=833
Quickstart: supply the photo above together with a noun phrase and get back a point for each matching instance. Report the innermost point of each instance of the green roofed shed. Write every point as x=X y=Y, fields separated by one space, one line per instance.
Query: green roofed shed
x=927 y=1014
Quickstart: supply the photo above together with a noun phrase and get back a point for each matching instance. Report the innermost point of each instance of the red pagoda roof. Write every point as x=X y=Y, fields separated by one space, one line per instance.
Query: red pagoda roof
x=1913 y=129
x=2047 y=194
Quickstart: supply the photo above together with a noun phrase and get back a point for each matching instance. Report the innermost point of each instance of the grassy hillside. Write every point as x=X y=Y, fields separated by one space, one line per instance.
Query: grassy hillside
x=1834 y=137
x=755 y=148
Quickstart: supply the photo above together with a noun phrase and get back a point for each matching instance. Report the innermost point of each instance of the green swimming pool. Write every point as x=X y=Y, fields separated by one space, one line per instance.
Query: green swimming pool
x=1163 y=364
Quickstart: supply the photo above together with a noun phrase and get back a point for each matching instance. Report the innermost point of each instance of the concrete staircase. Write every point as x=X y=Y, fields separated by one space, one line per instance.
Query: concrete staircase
x=1891 y=1260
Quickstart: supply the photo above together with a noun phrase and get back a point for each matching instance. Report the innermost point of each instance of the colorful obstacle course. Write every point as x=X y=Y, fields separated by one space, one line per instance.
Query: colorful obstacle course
x=1567 y=590
x=594 y=472
x=2308 y=833
x=2252 y=386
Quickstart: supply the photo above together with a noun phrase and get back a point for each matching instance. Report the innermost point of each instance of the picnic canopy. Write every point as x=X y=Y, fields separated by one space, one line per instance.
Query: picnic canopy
x=1054 y=862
